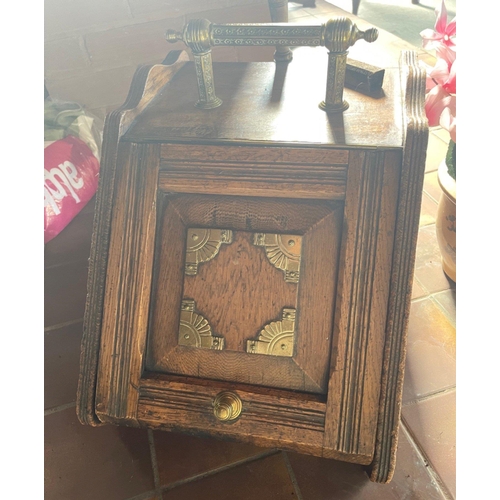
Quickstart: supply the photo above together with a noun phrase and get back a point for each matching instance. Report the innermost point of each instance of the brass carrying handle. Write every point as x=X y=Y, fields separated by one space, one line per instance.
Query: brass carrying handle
x=337 y=35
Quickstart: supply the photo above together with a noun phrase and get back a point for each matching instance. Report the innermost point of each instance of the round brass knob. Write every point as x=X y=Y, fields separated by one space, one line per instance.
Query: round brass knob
x=227 y=406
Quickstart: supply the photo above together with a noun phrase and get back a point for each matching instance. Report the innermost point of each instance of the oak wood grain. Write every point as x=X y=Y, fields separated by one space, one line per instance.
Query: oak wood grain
x=360 y=316
x=266 y=103
x=237 y=169
x=146 y=83
x=128 y=284
x=240 y=291
x=290 y=421
x=239 y=312
x=408 y=210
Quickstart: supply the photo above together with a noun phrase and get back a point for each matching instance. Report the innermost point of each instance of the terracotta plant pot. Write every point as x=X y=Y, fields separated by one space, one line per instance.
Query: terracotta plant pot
x=446 y=222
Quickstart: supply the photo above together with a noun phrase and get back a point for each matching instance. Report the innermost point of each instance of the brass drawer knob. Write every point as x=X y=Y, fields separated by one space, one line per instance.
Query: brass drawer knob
x=227 y=406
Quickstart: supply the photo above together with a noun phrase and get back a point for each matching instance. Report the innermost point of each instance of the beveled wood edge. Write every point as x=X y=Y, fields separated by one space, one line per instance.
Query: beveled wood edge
x=329 y=208
x=269 y=154
x=295 y=420
x=157 y=422
x=310 y=385
x=261 y=188
x=146 y=83
x=416 y=135
x=352 y=411
x=128 y=281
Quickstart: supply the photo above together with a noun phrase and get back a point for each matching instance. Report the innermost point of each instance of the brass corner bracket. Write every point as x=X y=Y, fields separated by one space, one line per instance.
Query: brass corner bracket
x=283 y=252
x=203 y=245
x=276 y=338
x=194 y=329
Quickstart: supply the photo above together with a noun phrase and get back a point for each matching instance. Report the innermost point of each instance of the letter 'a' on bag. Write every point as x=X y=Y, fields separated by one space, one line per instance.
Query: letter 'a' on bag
x=71 y=173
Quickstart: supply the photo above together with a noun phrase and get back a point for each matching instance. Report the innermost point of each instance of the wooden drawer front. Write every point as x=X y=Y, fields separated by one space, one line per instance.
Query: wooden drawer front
x=278 y=172
x=241 y=297
x=269 y=417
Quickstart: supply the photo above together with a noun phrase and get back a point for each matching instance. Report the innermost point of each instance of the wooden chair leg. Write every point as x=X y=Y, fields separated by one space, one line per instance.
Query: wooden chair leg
x=355 y=6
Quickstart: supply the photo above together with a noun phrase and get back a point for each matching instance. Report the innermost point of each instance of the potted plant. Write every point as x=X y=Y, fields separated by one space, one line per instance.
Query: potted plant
x=440 y=108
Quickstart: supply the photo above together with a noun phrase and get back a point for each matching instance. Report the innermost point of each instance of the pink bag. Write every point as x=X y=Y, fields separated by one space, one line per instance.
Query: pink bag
x=71 y=173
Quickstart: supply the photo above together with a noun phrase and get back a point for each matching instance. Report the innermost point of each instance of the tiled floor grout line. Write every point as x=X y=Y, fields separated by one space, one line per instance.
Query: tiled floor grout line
x=145 y=496
x=421 y=299
x=431 y=395
x=224 y=468
x=427 y=225
x=51 y=328
x=154 y=462
x=433 y=131
x=57 y=409
x=291 y=473
x=70 y=262
x=432 y=297
x=429 y=467
x=429 y=295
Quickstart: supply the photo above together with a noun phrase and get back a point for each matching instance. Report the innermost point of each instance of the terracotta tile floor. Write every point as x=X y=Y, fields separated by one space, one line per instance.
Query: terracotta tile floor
x=112 y=463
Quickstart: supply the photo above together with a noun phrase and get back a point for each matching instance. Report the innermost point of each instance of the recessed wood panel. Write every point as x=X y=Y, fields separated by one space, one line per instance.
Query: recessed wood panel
x=240 y=291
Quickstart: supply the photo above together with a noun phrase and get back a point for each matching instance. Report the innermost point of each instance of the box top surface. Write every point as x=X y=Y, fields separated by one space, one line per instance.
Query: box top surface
x=268 y=103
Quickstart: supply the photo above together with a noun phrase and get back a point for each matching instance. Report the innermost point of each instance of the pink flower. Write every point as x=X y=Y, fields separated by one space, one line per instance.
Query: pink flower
x=448 y=121
x=446 y=52
x=441 y=83
x=442 y=33
x=436 y=100
x=444 y=75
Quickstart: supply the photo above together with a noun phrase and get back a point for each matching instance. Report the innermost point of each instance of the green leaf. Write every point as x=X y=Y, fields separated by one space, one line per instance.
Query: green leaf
x=451 y=159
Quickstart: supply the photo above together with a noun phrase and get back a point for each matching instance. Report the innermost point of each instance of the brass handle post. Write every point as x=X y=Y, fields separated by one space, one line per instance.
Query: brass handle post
x=279 y=14
x=337 y=35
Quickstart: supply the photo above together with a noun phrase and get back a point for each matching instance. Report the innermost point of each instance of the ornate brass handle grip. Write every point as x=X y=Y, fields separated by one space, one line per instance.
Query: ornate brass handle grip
x=337 y=35
x=227 y=406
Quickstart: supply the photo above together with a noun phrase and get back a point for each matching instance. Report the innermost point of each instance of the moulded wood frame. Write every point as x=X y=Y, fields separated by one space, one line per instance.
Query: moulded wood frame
x=320 y=224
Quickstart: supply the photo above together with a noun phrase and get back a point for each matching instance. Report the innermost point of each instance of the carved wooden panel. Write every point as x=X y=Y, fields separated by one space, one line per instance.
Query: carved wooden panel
x=147 y=81
x=246 y=289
